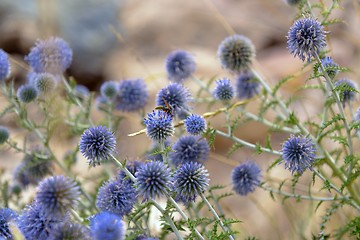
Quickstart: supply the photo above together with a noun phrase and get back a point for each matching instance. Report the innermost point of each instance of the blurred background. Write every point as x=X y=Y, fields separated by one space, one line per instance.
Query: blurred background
x=119 y=39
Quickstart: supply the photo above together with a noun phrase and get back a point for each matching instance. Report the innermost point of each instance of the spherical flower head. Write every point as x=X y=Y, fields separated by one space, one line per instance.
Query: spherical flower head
x=306 y=38
x=189 y=149
x=190 y=179
x=132 y=95
x=33 y=169
x=236 y=53
x=347 y=90
x=69 y=230
x=4 y=134
x=245 y=178
x=44 y=82
x=27 y=93
x=6 y=215
x=97 y=144
x=298 y=153
x=81 y=91
x=35 y=224
x=159 y=125
x=179 y=66
x=109 y=89
x=133 y=167
x=107 y=226
x=57 y=195
x=153 y=179
x=175 y=96
x=247 y=86
x=52 y=55
x=116 y=197
x=4 y=65
x=195 y=124
x=330 y=66
x=224 y=91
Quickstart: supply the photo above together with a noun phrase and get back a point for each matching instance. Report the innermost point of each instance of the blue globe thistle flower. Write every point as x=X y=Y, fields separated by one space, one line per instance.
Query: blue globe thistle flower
x=298 y=153
x=81 y=91
x=4 y=65
x=69 y=230
x=159 y=125
x=245 y=177
x=52 y=55
x=189 y=149
x=133 y=167
x=4 y=134
x=195 y=124
x=116 y=197
x=306 y=38
x=224 y=91
x=7 y=215
x=347 y=90
x=107 y=226
x=175 y=96
x=247 y=86
x=153 y=179
x=330 y=66
x=57 y=195
x=236 y=53
x=132 y=95
x=27 y=93
x=97 y=144
x=109 y=89
x=35 y=224
x=44 y=82
x=32 y=168
x=190 y=179
x=179 y=66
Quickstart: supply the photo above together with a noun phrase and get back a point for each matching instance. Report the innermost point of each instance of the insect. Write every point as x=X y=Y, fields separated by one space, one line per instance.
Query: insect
x=167 y=108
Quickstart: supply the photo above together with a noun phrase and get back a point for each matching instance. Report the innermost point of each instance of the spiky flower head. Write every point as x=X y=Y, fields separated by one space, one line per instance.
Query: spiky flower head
x=330 y=66
x=189 y=148
x=97 y=144
x=236 y=53
x=133 y=167
x=195 y=124
x=306 y=38
x=107 y=226
x=52 y=55
x=4 y=134
x=224 y=91
x=153 y=179
x=7 y=215
x=33 y=168
x=44 y=82
x=68 y=230
x=116 y=197
x=247 y=86
x=347 y=90
x=175 y=96
x=189 y=180
x=245 y=177
x=35 y=224
x=159 y=126
x=4 y=65
x=109 y=89
x=27 y=93
x=179 y=65
x=57 y=195
x=298 y=153
x=132 y=95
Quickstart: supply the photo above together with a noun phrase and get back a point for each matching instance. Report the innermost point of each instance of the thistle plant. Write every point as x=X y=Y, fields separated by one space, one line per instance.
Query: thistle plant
x=182 y=125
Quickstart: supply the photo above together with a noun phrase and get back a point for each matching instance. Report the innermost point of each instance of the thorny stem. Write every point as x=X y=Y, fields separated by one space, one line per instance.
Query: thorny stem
x=212 y=210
